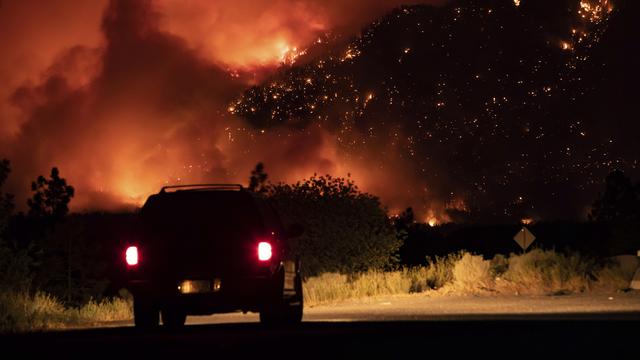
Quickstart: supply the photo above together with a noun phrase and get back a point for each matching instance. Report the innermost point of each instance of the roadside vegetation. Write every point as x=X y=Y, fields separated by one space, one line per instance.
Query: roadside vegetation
x=537 y=272
x=62 y=270
x=21 y=311
x=50 y=276
x=346 y=230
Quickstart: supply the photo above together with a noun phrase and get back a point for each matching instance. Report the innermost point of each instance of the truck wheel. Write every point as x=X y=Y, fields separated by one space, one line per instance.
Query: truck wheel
x=145 y=313
x=284 y=311
x=294 y=307
x=271 y=314
x=173 y=318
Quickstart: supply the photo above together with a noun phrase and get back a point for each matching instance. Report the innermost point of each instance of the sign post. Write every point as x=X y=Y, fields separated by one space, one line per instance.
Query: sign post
x=524 y=238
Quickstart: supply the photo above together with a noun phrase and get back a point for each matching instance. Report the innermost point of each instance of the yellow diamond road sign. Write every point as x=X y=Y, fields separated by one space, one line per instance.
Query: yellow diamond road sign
x=524 y=238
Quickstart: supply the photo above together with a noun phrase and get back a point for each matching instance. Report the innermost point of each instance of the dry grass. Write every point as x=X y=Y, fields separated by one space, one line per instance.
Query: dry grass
x=115 y=309
x=471 y=273
x=332 y=287
x=20 y=311
x=542 y=272
x=23 y=312
x=612 y=277
x=535 y=272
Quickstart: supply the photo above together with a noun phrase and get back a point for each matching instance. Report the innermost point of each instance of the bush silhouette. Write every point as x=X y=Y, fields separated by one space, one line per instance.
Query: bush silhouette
x=346 y=230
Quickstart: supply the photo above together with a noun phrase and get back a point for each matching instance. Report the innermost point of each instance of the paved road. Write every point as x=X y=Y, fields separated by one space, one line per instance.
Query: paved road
x=393 y=327
x=622 y=306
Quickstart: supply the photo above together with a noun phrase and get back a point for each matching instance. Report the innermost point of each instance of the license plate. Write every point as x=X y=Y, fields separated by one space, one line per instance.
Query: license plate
x=199 y=286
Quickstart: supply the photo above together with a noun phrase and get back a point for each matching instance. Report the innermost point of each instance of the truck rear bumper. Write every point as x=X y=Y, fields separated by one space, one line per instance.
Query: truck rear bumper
x=245 y=294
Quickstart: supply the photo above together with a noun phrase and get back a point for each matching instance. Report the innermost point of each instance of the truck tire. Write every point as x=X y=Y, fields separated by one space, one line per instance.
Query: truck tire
x=173 y=318
x=145 y=313
x=282 y=311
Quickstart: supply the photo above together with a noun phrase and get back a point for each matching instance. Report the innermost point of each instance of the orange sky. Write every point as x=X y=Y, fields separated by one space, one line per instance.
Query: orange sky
x=126 y=96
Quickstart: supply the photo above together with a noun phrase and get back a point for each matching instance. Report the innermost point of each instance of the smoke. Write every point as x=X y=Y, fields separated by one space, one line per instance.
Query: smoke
x=248 y=34
x=127 y=96
x=33 y=34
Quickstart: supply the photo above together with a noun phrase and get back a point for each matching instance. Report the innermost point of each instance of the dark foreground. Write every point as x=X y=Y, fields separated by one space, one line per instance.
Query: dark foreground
x=498 y=338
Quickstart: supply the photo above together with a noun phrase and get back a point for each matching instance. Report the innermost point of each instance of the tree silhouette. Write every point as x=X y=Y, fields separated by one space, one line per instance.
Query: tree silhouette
x=619 y=202
x=51 y=197
x=47 y=208
x=6 y=200
x=258 y=179
x=15 y=263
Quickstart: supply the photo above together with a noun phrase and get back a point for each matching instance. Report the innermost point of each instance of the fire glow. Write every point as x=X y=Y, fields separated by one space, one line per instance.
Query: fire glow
x=156 y=121
x=149 y=95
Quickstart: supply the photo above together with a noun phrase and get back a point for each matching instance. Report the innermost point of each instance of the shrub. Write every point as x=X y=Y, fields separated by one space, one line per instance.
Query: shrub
x=612 y=276
x=499 y=265
x=540 y=271
x=472 y=272
x=439 y=271
x=346 y=230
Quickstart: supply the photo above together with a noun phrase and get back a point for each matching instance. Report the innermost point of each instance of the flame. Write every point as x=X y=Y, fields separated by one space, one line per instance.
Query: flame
x=595 y=11
x=289 y=54
x=526 y=221
x=349 y=54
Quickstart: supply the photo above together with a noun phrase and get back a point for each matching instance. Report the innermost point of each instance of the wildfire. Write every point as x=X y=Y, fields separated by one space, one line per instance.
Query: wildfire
x=350 y=54
x=434 y=217
x=526 y=221
x=587 y=31
x=289 y=55
x=595 y=11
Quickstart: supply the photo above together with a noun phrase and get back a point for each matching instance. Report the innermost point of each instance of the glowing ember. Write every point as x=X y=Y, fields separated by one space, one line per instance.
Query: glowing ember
x=350 y=54
x=594 y=10
x=368 y=98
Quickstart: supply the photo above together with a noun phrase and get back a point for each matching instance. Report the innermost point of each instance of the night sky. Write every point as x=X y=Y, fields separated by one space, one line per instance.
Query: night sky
x=466 y=110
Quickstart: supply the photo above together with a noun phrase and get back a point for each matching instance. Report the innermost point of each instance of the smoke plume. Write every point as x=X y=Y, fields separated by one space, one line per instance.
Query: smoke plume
x=127 y=96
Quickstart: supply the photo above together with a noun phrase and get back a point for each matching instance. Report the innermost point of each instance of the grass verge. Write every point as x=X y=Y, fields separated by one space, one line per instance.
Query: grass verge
x=21 y=311
x=536 y=272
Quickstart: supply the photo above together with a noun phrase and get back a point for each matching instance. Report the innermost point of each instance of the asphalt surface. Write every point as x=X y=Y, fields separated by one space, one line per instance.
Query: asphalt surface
x=389 y=327
x=418 y=307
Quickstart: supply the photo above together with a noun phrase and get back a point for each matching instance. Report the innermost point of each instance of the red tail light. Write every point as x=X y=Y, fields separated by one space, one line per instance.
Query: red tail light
x=264 y=251
x=131 y=255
